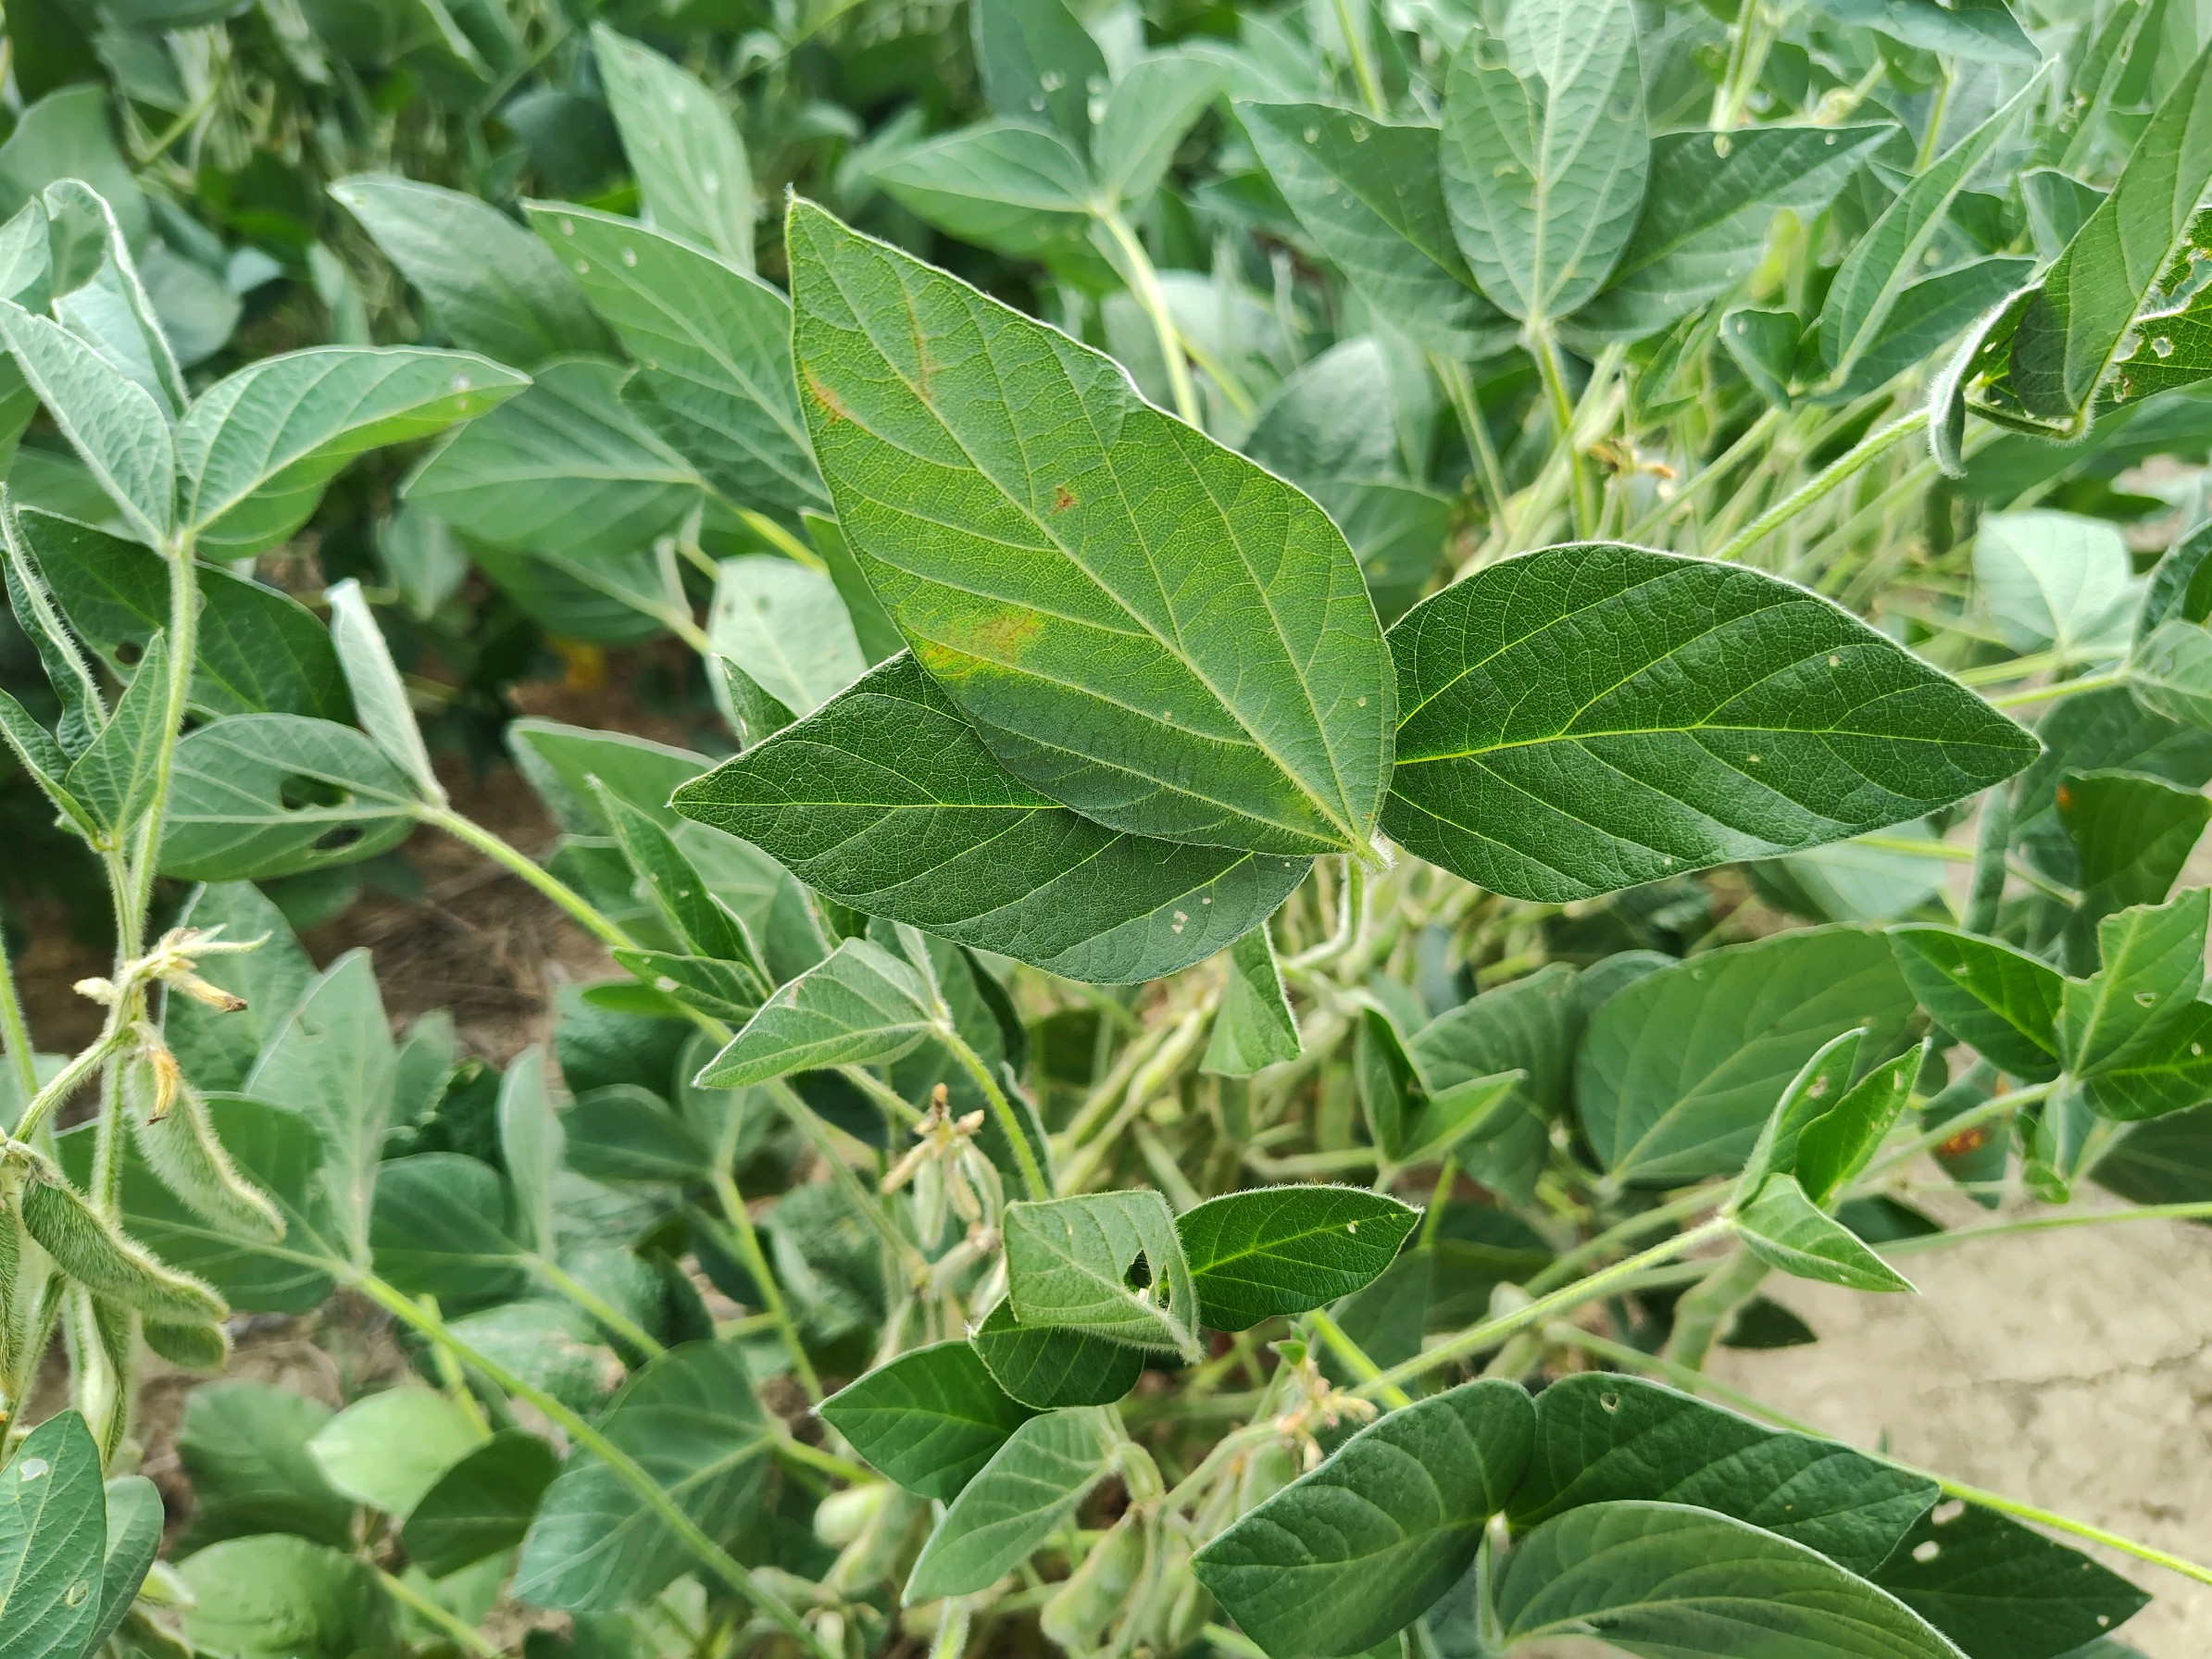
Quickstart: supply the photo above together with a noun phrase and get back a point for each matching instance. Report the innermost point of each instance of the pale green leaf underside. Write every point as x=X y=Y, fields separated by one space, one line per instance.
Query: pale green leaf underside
x=1142 y=624
x=229 y=818
x=1108 y=1263
x=1589 y=716
x=690 y=163
x=1016 y=1502
x=888 y=800
x=861 y=1006
x=1786 y=1229
x=1254 y=1026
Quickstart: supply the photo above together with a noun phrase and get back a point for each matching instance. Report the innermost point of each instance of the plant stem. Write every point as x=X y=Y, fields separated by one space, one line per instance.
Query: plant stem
x=63 y=1082
x=579 y=908
x=1144 y=287
x=1913 y=847
x=1620 y=1232
x=459 y=1630
x=1354 y=1359
x=2042 y=1224
x=1489 y=1333
x=1547 y=352
x=1009 y=1120
x=616 y=1322
x=1459 y=388
x=2061 y=688
x=1995 y=1107
x=1690 y=1382
x=1363 y=71
x=747 y=1239
x=717 y=1560
x=1708 y=475
x=775 y=536
x=183 y=651
x=1825 y=482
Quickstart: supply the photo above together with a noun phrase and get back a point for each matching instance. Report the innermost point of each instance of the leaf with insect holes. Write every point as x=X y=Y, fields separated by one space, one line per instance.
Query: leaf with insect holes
x=257 y=448
x=1589 y=716
x=2002 y=1001
x=860 y=1007
x=1253 y=1027
x=2153 y=966
x=1286 y=1250
x=2002 y=1591
x=688 y=160
x=1545 y=153
x=1346 y=1557
x=712 y=346
x=1818 y=1086
x=1047 y=1367
x=53 y=1542
x=1108 y=1263
x=1370 y=194
x=1786 y=1229
x=1012 y=1504
x=1605 y=1439
x=886 y=799
x=1138 y=622
x=260 y=796
x=930 y=1419
x=492 y=287
x=1671 y=1578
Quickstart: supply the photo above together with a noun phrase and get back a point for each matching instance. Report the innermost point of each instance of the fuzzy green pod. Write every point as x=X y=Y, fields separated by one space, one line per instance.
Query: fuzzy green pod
x=184 y=1152
x=1097 y=1592
x=193 y=1346
x=90 y=1250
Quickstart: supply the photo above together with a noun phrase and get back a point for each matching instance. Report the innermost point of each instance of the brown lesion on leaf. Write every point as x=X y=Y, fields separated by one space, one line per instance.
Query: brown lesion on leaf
x=827 y=399
x=1965 y=1142
x=1062 y=498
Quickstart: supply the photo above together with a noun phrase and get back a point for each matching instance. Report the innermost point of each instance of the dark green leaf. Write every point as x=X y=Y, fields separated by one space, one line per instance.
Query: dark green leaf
x=1594 y=715
x=2002 y=1001
x=245 y=1446
x=259 y=795
x=1007 y=185
x=1348 y=1556
x=1285 y=1250
x=1678 y=1071
x=1253 y=1027
x=860 y=1007
x=1836 y=1146
x=2153 y=966
x=2002 y=1591
x=1014 y=1503
x=439 y=1230
x=930 y=1419
x=1602 y=1437
x=887 y=800
x=482 y=1505
x=1046 y=1368
x=53 y=1542
x=1148 y=610
x=690 y=1421
x=1038 y=63
x=1108 y=1263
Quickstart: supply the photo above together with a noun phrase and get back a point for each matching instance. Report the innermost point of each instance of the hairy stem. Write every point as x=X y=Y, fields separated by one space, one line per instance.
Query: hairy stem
x=1144 y=288
x=577 y=906
x=1824 y=484
x=746 y=1238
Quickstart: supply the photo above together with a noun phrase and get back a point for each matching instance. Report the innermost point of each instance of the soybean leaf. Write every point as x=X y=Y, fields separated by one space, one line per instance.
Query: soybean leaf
x=439 y=1228
x=53 y=1542
x=625 y=1133
x=1980 y=30
x=1014 y=1503
x=2002 y=1591
x=245 y=1446
x=1666 y=1576
x=689 y=1419
x=331 y=1060
x=283 y=1598
x=1784 y=1229
x=1821 y=1082
x=105 y=305
x=2165 y=350
x=1108 y=1263
x=879 y=636
x=1038 y=63
x=785 y=626
x=1371 y=194
x=887 y=800
x=380 y=699
x=563 y=762
x=728 y=991
x=387 y=1450
x=529 y=1147
x=492 y=287
x=2002 y=1001
x=1928 y=314
x=1254 y=1026
x=259 y=651
x=2167 y=1069
x=2074 y=321
x=2131 y=837
x=677 y=892
x=713 y=349
x=135 y=1519
x=1545 y=153
x=2056 y=581
x=1347 y=1556
x=1678 y=1071
x=1046 y=1367
x=1530 y=1026
x=1006 y=185
x=1707 y=214
x=1602 y=1439
x=1223 y=631
x=259 y=795
x=690 y=163
x=481 y=1504
x=256 y=449
x=1888 y=259
x=1589 y=716
x=564 y=468
x=1836 y=1146
x=1151 y=108
x=1286 y=1250
x=2171 y=671
x=930 y=1419
x=1764 y=346
x=113 y=422
x=860 y=1007
x=2097 y=731
x=2153 y=966
x=113 y=780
